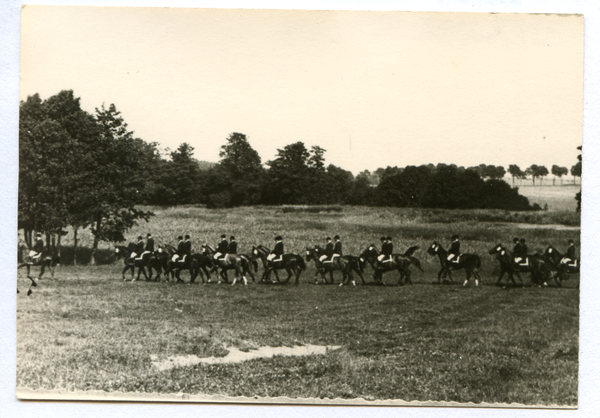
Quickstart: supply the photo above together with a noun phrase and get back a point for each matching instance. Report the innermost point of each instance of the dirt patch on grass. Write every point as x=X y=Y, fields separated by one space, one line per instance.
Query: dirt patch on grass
x=237 y=356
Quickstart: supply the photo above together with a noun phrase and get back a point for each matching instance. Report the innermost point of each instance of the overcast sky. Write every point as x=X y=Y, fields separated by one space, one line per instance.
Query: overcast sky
x=372 y=88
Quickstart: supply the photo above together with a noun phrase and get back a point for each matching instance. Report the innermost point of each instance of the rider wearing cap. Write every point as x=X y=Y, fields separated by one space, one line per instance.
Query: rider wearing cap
x=328 y=251
x=570 y=257
x=523 y=249
x=384 y=246
x=454 y=250
x=222 y=247
x=337 y=250
x=517 y=250
x=187 y=249
x=232 y=248
x=149 y=244
x=138 y=248
x=277 y=253
x=180 y=249
x=38 y=248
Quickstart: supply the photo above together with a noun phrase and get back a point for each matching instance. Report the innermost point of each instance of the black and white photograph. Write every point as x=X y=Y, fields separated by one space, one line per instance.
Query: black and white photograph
x=299 y=207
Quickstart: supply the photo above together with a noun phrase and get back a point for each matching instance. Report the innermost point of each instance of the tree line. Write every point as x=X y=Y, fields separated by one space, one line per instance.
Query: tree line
x=84 y=170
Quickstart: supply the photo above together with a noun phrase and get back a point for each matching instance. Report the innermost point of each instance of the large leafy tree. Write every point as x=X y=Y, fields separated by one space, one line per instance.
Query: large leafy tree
x=288 y=179
x=237 y=179
x=78 y=169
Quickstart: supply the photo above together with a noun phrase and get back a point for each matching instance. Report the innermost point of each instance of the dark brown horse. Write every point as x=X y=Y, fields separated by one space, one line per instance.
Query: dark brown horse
x=535 y=264
x=470 y=262
x=292 y=263
x=347 y=264
x=399 y=262
x=45 y=261
x=559 y=265
x=229 y=262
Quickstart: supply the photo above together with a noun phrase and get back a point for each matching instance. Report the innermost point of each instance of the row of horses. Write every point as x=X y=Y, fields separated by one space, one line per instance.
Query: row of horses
x=160 y=264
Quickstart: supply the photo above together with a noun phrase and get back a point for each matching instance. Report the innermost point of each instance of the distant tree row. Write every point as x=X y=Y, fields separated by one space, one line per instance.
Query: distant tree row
x=539 y=172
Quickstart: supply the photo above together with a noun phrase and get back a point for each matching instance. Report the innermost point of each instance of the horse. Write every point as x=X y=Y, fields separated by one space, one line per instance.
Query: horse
x=187 y=262
x=346 y=264
x=158 y=262
x=203 y=264
x=399 y=262
x=554 y=258
x=470 y=262
x=141 y=261
x=45 y=261
x=292 y=263
x=229 y=262
x=536 y=265
x=248 y=264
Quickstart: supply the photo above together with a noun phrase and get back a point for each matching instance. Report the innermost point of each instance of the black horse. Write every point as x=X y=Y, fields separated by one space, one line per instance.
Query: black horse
x=141 y=261
x=534 y=264
x=292 y=263
x=347 y=264
x=559 y=265
x=158 y=263
x=470 y=262
x=187 y=262
x=399 y=262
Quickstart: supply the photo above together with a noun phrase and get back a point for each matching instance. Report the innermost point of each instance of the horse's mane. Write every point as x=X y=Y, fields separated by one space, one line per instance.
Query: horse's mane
x=263 y=248
x=209 y=247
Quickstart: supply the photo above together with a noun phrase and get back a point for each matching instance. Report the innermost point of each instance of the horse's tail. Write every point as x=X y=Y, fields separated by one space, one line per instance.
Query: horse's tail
x=301 y=263
x=410 y=251
x=416 y=262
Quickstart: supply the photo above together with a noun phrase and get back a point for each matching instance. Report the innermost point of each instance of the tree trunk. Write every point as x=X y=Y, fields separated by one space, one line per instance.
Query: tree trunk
x=513 y=181
x=53 y=239
x=74 y=245
x=58 y=245
x=554 y=181
x=96 y=240
x=48 y=242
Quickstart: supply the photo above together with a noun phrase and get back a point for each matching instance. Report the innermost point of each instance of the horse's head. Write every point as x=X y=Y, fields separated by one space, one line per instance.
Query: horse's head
x=434 y=248
x=121 y=251
x=496 y=249
x=552 y=255
x=310 y=254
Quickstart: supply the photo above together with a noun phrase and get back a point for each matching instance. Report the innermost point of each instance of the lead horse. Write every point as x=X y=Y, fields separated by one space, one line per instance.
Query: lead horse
x=470 y=262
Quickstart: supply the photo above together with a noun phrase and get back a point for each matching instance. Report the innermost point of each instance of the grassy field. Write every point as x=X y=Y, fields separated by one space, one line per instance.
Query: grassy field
x=87 y=330
x=558 y=198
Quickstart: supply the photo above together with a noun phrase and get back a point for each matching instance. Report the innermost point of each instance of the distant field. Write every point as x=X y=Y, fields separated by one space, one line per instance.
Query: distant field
x=558 y=198
x=87 y=330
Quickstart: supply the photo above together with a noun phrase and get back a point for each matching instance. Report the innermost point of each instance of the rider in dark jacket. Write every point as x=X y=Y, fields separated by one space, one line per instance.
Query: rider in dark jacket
x=454 y=250
x=180 y=248
x=277 y=253
x=188 y=246
x=38 y=248
x=149 y=244
x=221 y=248
x=232 y=248
x=328 y=251
x=138 y=249
x=570 y=256
x=517 y=250
x=524 y=249
x=337 y=250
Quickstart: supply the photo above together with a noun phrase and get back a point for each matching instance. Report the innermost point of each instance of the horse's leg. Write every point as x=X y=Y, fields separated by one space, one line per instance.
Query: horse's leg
x=124 y=270
x=42 y=269
x=468 y=271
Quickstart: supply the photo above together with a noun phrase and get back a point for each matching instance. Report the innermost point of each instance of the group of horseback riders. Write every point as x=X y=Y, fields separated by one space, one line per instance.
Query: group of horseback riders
x=520 y=253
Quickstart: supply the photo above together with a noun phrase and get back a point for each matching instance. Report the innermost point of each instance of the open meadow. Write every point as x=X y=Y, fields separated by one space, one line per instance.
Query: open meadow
x=86 y=329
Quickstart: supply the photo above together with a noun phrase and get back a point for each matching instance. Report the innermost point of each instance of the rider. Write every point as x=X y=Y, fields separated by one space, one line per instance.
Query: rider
x=38 y=248
x=454 y=250
x=149 y=244
x=187 y=249
x=523 y=249
x=384 y=245
x=180 y=249
x=138 y=248
x=337 y=250
x=569 y=257
x=517 y=250
x=277 y=253
x=222 y=247
x=328 y=251
x=232 y=248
